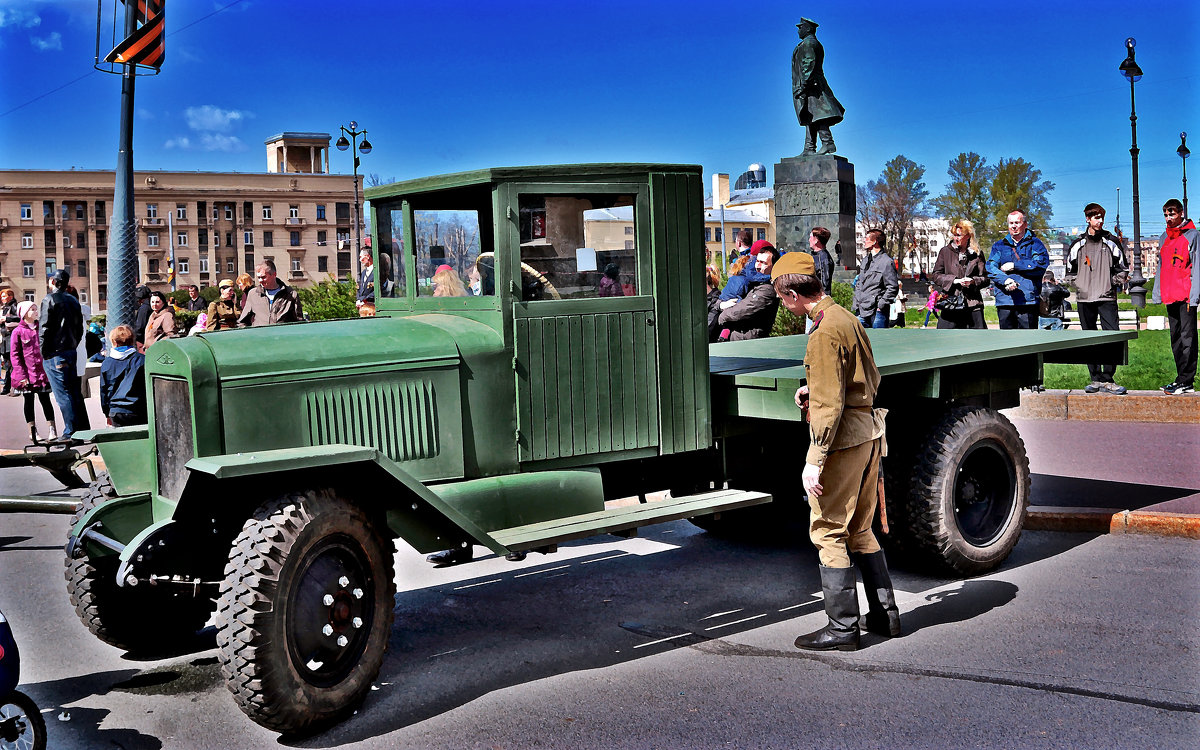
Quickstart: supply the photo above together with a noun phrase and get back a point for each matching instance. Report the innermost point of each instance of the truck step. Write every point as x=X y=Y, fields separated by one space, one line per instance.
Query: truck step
x=615 y=520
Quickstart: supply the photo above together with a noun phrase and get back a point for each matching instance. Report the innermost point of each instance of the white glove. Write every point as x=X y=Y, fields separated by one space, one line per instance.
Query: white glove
x=1008 y=267
x=728 y=304
x=811 y=478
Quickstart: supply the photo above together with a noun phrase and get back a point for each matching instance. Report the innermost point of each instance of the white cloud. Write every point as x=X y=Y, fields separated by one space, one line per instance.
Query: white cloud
x=20 y=19
x=44 y=43
x=144 y=113
x=226 y=143
x=213 y=119
x=181 y=142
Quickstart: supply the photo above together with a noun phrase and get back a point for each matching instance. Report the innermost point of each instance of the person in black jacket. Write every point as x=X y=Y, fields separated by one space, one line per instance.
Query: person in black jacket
x=141 y=316
x=817 y=241
x=1052 y=308
x=753 y=317
x=60 y=331
x=123 y=381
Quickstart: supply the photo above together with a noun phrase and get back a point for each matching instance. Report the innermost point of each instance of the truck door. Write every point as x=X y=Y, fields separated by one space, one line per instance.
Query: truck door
x=585 y=335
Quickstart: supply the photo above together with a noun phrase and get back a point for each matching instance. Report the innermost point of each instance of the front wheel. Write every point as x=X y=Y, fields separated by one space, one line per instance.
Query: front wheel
x=968 y=492
x=305 y=611
x=22 y=726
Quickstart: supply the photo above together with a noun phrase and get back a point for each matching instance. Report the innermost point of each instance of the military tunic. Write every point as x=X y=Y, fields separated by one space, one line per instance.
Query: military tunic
x=222 y=315
x=845 y=434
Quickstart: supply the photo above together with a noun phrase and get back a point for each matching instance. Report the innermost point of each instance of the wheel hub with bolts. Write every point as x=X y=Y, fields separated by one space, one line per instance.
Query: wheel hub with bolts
x=329 y=613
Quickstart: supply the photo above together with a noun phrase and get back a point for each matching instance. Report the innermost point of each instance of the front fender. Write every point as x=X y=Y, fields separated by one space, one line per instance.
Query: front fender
x=128 y=457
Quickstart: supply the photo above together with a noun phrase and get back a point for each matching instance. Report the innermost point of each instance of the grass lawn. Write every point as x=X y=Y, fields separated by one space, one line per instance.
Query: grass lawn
x=1150 y=366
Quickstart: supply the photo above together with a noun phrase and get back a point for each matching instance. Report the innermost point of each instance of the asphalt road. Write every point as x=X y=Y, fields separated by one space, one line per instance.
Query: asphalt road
x=678 y=639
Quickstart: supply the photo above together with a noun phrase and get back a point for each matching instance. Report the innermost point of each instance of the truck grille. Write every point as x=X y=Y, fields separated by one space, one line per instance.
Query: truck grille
x=399 y=419
x=172 y=434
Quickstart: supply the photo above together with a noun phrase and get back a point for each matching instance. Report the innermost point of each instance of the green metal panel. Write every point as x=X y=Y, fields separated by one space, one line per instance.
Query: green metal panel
x=684 y=391
x=128 y=457
x=518 y=499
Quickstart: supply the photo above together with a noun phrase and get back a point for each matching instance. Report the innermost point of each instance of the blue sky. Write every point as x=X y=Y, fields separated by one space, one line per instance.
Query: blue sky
x=449 y=86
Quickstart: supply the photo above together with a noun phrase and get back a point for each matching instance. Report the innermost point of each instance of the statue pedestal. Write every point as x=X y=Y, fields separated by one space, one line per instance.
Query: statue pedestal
x=816 y=191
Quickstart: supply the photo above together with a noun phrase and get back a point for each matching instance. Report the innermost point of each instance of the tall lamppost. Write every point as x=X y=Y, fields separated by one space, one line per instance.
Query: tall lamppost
x=365 y=148
x=1184 y=152
x=1129 y=68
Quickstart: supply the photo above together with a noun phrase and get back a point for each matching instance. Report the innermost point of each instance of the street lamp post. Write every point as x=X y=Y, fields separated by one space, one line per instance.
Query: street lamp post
x=365 y=148
x=1184 y=152
x=1129 y=68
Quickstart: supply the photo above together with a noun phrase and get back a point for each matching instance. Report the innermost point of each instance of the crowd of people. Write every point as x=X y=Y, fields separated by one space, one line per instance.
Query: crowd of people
x=1016 y=270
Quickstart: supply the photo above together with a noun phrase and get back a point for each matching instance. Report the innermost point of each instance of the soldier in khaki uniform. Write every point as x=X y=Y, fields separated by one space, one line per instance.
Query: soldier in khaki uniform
x=224 y=312
x=841 y=471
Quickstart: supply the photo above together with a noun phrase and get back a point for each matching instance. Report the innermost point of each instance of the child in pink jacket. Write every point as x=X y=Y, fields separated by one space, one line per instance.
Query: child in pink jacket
x=28 y=376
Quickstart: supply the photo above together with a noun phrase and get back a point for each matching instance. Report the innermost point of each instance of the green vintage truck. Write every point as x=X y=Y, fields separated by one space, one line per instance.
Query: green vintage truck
x=540 y=349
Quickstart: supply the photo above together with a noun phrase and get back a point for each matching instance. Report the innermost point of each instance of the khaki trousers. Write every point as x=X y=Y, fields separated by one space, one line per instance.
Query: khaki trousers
x=840 y=519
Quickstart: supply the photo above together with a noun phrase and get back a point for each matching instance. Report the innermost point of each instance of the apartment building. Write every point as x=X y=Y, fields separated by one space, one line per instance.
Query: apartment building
x=213 y=225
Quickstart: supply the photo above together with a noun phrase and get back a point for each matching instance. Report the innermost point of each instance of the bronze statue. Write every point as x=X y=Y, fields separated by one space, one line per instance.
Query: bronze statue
x=816 y=107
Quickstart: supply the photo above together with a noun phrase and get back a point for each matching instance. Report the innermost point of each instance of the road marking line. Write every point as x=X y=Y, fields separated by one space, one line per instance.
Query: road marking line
x=661 y=640
x=735 y=622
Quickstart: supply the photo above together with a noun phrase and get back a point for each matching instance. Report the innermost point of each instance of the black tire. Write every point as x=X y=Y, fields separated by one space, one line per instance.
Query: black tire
x=29 y=721
x=279 y=637
x=968 y=493
x=132 y=618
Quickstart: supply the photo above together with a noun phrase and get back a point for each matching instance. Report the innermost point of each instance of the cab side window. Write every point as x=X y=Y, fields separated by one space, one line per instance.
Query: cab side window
x=578 y=246
x=390 y=262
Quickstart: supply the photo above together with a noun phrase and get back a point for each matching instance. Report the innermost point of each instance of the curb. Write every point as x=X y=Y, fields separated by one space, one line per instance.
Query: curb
x=1135 y=406
x=1112 y=521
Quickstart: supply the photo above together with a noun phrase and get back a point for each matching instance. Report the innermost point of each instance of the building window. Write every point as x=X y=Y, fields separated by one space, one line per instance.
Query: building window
x=268 y=239
x=708 y=234
x=101 y=240
x=51 y=267
x=247 y=238
x=229 y=265
x=295 y=238
x=181 y=211
x=81 y=239
x=296 y=265
x=79 y=209
x=102 y=292
x=204 y=265
x=26 y=211
x=29 y=297
x=152 y=210
x=27 y=269
x=323 y=263
x=720 y=237
x=152 y=239
x=762 y=234
x=183 y=265
x=343 y=236
x=181 y=239
x=26 y=240
x=153 y=266
x=628 y=244
x=47 y=210
x=99 y=212
x=50 y=238
x=322 y=237
x=266 y=210
x=933 y=243
x=250 y=261
x=202 y=237
x=81 y=269
x=294 y=212
x=629 y=229
x=83 y=296
x=101 y=267
x=65 y=210
x=229 y=239
x=321 y=212
x=228 y=213
x=342 y=210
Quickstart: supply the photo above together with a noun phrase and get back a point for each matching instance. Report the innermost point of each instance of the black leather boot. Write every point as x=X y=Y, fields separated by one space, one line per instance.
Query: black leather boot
x=841 y=606
x=448 y=557
x=883 y=616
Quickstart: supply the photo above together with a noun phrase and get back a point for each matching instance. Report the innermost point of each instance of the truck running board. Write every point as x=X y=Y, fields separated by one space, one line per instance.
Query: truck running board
x=616 y=520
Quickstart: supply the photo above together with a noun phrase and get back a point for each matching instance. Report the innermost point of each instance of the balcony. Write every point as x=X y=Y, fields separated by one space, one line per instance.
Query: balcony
x=152 y=221
x=297 y=222
x=295 y=275
x=154 y=249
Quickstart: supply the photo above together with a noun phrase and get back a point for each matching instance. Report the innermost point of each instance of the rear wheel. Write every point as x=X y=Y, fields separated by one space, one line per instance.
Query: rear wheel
x=305 y=611
x=133 y=618
x=965 y=502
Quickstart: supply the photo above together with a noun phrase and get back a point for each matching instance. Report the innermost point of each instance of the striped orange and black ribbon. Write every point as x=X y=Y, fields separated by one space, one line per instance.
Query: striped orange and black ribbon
x=145 y=46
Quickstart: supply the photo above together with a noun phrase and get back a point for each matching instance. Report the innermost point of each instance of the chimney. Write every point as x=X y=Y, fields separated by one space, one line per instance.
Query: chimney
x=720 y=189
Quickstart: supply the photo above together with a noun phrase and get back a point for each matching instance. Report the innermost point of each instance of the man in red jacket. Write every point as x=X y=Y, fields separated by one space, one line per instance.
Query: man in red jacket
x=1178 y=287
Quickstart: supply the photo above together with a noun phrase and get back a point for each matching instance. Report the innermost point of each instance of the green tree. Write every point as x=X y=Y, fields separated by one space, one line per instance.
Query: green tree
x=894 y=201
x=1016 y=184
x=968 y=195
x=328 y=299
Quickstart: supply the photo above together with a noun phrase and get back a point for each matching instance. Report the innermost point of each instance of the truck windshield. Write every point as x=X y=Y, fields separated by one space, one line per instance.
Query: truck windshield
x=447 y=255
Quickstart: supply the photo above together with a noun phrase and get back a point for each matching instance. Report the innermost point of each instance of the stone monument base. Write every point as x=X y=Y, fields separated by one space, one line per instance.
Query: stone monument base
x=816 y=191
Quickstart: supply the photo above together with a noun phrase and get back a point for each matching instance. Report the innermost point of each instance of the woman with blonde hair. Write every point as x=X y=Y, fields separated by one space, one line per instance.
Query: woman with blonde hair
x=245 y=282
x=959 y=274
x=447 y=284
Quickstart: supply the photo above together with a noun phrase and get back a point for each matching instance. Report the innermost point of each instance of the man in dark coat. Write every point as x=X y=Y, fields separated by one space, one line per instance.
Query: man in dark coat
x=60 y=331
x=817 y=108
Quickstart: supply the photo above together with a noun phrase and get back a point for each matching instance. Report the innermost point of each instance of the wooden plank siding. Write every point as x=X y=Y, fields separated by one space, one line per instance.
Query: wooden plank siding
x=684 y=389
x=594 y=388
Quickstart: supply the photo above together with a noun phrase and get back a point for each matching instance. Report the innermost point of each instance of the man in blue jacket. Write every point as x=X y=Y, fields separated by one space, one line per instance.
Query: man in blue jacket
x=1016 y=266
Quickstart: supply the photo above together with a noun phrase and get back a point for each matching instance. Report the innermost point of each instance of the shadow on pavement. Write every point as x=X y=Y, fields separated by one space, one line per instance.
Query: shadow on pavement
x=1076 y=492
x=455 y=642
x=83 y=727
